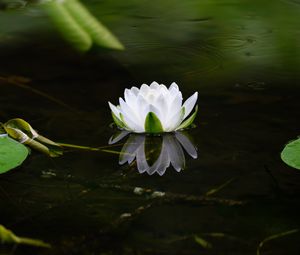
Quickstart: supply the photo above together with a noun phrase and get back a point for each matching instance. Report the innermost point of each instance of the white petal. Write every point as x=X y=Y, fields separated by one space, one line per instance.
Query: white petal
x=175 y=106
x=128 y=111
x=142 y=104
x=162 y=106
x=154 y=85
x=135 y=90
x=175 y=121
x=131 y=125
x=115 y=110
x=131 y=101
x=163 y=89
x=144 y=89
x=173 y=86
x=189 y=104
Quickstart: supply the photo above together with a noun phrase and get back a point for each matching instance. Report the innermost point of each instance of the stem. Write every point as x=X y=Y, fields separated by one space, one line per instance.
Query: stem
x=102 y=148
x=33 y=242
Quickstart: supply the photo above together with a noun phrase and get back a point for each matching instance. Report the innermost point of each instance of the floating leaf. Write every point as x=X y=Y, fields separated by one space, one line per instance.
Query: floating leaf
x=153 y=124
x=7 y=236
x=291 y=154
x=98 y=32
x=68 y=26
x=12 y=153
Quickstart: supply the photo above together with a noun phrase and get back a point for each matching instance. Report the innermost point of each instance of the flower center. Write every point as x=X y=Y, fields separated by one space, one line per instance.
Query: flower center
x=150 y=97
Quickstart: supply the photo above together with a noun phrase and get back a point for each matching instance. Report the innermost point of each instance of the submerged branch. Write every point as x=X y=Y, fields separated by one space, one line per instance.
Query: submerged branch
x=14 y=81
x=169 y=197
x=217 y=189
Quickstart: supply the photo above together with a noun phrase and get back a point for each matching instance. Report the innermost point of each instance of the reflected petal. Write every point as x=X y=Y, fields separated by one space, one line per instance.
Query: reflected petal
x=175 y=152
x=145 y=151
x=187 y=144
x=117 y=137
x=130 y=148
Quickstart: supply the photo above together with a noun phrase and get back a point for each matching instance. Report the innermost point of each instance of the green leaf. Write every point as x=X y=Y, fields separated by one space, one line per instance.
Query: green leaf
x=12 y=153
x=21 y=131
x=291 y=154
x=153 y=124
x=188 y=121
x=23 y=125
x=98 y=32
x=7 y=236
x=68 y=26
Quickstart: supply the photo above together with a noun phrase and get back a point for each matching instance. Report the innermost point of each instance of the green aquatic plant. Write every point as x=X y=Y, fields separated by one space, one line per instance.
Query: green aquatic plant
x=16 y=137
x=7 y=236
x=291 y=154
x=12 y=153
x=21 y=131
x=78 y=26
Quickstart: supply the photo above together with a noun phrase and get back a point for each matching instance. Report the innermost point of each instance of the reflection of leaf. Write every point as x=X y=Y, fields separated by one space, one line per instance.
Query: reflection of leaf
x=273 y=237
x=205 y=244
x=7 y=236
x=291 y=154
x=12 y=153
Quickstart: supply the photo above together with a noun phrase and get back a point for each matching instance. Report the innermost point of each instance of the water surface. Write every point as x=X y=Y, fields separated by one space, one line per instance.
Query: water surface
x=243 y=59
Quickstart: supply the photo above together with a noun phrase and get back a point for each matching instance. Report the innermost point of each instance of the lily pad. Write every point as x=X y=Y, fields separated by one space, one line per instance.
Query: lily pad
x=12 y=153
x=291 y=154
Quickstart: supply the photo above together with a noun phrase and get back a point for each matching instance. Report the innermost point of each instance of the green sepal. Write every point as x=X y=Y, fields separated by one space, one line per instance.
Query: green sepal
x=153 y=124
x=117 y=121
x=291 y=154
x=189 y=121
x=125 y=126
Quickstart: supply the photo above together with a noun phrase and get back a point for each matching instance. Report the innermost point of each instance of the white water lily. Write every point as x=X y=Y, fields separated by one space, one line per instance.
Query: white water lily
x=154 y=109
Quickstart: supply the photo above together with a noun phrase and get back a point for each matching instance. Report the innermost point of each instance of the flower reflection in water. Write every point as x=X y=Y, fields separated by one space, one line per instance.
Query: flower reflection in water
x=155 y=153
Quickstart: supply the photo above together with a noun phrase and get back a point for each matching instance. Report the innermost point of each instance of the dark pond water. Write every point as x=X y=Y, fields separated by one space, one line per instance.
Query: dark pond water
x=242 y=57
